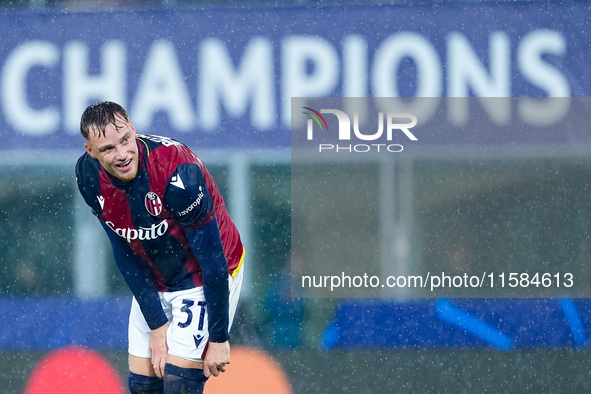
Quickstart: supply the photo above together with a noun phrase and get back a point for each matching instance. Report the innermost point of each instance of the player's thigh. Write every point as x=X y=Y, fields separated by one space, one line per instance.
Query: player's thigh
x=138 y=333
x=141 y=366
x=187 y=332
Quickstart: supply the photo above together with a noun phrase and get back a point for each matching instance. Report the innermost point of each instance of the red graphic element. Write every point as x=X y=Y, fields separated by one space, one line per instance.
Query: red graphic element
x=318 y=113
x=74 y=370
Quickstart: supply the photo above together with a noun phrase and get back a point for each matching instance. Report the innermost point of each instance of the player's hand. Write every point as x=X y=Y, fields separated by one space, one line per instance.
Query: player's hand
x=159 y=349
x=216 y=358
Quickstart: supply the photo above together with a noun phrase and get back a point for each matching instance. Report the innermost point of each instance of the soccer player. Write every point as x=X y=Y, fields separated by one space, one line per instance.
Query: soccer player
x=174 y=243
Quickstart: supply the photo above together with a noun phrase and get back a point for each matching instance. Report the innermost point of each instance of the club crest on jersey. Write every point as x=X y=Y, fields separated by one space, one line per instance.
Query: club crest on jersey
x=153 y=204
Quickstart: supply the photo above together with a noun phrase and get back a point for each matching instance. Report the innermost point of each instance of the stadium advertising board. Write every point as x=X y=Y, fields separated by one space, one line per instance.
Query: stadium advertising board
x=223 y=77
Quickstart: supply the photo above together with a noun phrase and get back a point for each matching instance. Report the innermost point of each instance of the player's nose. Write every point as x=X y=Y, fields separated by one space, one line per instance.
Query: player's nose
x=120 y=152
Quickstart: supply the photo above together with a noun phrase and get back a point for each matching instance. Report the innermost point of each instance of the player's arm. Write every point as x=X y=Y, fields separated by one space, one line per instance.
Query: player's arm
x=138 y=277
x=193 y=206
x=134 y=270
x=206 y=245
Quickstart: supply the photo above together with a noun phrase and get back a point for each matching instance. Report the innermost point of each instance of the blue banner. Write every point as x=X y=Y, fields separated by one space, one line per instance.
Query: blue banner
x=223 y=77
x=50 y=323
x=462 y=323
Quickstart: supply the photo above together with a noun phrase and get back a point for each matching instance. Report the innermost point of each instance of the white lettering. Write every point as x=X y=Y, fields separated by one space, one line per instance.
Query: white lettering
x=310 y=66
x=15 y=102
x=531 y=63
x=384 y=75
x=298 y=55
x=355 y=74
x=80 y=88
x=143 y=233
x=395 y=148
x=467 y=73
x=193 y=206
x=355 y=66
x=360 y=148
x=345 y=125
x=162 y=140
x=368 y=137
x=220 y=83
x=162 y=88
x=344 y=122
x=401 y=126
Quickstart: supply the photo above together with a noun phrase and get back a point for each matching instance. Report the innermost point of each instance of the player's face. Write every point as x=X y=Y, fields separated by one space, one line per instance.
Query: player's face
x=117 y=150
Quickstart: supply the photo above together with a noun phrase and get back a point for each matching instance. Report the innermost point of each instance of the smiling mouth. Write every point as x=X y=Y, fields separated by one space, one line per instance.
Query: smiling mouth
x=123 y=165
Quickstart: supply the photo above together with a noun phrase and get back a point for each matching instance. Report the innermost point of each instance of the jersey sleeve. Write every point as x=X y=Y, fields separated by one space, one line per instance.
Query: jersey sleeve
x=186 y=196
x=137 y=275
x=188 y=199
x=87 y=178
x=206 y=245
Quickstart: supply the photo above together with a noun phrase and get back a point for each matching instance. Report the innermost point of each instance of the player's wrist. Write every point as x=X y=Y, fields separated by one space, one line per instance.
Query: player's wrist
x=160 y=328
x=218 y=338
x=158 y=322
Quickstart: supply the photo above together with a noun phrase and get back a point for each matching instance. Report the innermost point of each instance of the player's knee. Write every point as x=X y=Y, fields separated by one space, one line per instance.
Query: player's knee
x=183 y=380
x=141 y=384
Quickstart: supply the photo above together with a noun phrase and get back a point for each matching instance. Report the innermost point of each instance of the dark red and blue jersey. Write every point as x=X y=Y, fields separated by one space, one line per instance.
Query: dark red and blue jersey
x=169 y=228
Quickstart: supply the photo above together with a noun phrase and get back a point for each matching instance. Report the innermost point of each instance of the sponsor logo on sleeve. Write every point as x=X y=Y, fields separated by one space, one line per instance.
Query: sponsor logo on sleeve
x=195 y=204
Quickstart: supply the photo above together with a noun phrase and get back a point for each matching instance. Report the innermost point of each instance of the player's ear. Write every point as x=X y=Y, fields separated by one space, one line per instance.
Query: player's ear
x=132 y=126
x=89 y=150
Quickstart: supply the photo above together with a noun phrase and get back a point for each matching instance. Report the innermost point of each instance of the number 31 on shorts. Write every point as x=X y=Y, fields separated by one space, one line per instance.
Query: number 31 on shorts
x=187 y=304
